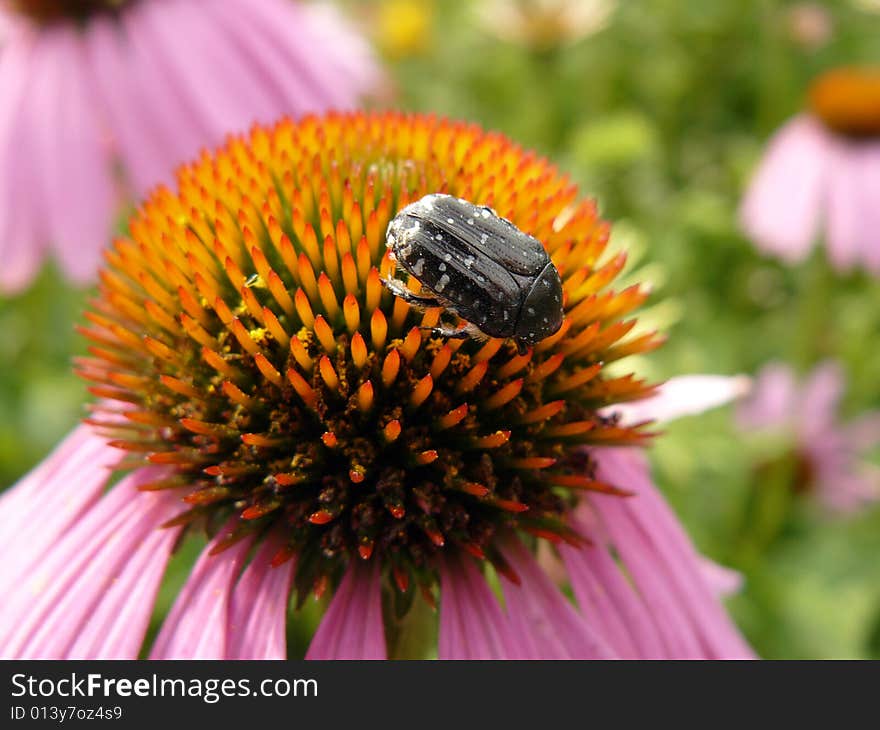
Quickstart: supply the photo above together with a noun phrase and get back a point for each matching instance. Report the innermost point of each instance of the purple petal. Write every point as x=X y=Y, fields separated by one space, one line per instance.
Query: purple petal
x=352 y=628
x=849 y=208
x=57 y=602
x=771 y=401
x=546 y=624
x=663 y=564
x=722 y=581
x=49 y=500
x=75 y=162
x=258 y=612
x=472 y=625
x=864 y=432
x=138 y=142
x=22 y=238
x=782 y=205
x=197 y=625
x=820 y=396
x=607 y=599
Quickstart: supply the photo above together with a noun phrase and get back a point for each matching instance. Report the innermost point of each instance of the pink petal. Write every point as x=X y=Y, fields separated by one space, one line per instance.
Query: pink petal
x=22 y=239
x=847 y=491
x=682 y=396
x=663 y=564
x=472 y=625
x=139 y=143
x=772 y=399
x=870 y=193
x=197 y=625
x=546 y=624
x=820 y=397
x=79 y=200
x=352 y=628
x=607 y=599
x=289 y=49
x=782 y=205
x=48 y=501
x=864 y=432
x=722 y=581
x=256 y=39
x=258 y=612
x=56 y=604
x=355 y=63
x=851 y=204
x=116 y=629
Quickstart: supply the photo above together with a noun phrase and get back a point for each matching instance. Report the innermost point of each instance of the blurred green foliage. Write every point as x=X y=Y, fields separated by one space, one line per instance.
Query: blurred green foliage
x=661 y=116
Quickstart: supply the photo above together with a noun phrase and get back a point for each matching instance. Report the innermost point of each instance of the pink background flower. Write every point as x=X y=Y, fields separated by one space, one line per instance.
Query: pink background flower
x=93 y=115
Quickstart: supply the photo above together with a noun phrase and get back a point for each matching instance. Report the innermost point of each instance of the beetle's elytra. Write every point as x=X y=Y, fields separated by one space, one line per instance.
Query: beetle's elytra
x=479 y=266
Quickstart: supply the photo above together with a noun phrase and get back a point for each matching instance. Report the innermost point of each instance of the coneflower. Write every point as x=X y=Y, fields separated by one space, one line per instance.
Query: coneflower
x=262 y=385
x=826 y=457
x=101 y=99
x=821 y=173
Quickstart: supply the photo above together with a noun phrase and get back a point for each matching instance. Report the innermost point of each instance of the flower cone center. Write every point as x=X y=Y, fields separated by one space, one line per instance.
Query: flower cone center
x=848 y=101
x=251 y=348
x=47 y=11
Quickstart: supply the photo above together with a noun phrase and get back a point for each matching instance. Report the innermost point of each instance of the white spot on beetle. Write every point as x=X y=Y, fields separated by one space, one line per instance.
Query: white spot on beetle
x=442 y=267
x=486 y=214
x=450 y=220
x=441 y=285
x=484 y=237
x=438 y=237
x=531 y=310
x=419 y=267
x=470 y=221
x=447 y=257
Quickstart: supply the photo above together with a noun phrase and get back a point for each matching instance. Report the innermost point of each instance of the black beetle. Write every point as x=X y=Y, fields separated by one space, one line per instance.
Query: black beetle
x=479 y=266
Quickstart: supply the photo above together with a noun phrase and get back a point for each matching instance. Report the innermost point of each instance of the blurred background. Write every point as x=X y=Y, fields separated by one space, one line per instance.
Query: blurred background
x=660 y=109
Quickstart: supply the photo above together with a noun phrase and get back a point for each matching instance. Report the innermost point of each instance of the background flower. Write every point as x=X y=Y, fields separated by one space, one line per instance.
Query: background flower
x=828 y=454
x=822 y=170
x=99 y=101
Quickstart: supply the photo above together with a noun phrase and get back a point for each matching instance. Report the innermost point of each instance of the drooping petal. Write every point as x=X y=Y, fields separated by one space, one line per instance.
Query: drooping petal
x=661 y=561
x=80 y=579
x=851 y=206
x=544 y=621
x=352 y=628
x=869 y=242
x=472 y=625
x=198 y=623
x=75 y=159
x=683 y=396
x=45 y=503
x=782 y=205
x=258 y=612
x=138 y=142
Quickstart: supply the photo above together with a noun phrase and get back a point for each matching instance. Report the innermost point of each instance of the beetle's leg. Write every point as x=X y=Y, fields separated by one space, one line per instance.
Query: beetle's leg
x=398 y=289
x=521 y=347
x=470 y=330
